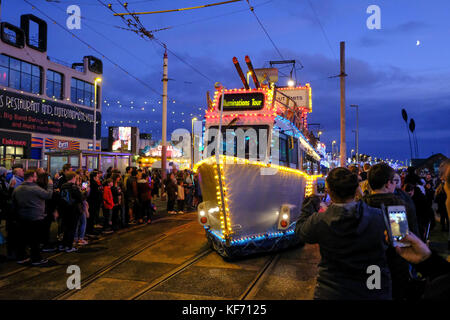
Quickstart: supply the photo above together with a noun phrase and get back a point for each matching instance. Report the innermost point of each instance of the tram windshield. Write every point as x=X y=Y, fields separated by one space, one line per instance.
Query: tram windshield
x=249 y=142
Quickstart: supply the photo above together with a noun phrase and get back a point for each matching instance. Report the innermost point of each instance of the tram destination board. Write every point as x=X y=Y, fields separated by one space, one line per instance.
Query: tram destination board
x=25 y=113
x=243 y=101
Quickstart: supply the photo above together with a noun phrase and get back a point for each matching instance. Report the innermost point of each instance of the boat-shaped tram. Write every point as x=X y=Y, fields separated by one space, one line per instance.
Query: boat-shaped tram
x=254 y=186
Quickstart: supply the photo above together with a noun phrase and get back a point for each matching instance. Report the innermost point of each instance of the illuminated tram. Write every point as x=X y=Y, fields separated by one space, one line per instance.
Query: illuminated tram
x=254 y=188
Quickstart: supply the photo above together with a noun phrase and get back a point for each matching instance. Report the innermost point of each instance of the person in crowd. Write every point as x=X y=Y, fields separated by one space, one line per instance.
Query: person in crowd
x=444 y=173
x=351 y=238
x=156 y=183
x=406 y=197
x=180 y=196
x=17 y=178
x=132 y=195
x=116 y=191
x=381 y=180
x=29 y=203
x=366 y=168
x=95 y=200
x=80 y=230
x=171 y=190
x=7 y=214
x=440 y=199
x=144 y=192
x=197 y=191
x=108 y=205
x=189 y=190
x=51 y=213
x=63 y=179
x=429 y=264
x=10 y=173
x=71 y=203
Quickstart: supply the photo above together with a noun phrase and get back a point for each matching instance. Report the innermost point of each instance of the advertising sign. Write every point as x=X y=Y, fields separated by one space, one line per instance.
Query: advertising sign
x=299 y=95
x=31 y=114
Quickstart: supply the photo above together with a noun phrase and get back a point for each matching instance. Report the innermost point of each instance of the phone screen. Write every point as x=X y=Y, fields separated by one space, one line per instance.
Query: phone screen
x=320 y=186
x=84 y=185
x=398 y=222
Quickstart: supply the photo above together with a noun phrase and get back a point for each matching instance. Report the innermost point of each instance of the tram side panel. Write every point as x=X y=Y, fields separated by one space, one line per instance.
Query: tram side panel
x=256 y=200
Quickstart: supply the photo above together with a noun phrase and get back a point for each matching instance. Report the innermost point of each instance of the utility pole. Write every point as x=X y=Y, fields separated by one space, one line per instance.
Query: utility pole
x=342 y=75
x=164 y=119
x=357 y=132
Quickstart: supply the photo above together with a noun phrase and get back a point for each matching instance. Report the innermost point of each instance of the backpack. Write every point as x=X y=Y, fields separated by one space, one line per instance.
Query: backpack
x=66 y=197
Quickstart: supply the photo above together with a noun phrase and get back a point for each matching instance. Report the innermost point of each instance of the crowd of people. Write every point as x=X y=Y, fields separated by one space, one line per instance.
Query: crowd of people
x=352 y=228
x=84 y=204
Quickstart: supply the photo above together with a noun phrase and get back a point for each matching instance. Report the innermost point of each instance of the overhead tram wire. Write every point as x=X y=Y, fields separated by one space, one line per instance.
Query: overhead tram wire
x=108 y=39
x=175 y=10
x=265 y=31
x=323 y=30
x=93 y=48
x=146 y=34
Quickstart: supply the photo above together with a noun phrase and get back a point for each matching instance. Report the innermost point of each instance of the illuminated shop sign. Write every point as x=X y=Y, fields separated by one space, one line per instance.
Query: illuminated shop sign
x=34 y=114
x=243 y=101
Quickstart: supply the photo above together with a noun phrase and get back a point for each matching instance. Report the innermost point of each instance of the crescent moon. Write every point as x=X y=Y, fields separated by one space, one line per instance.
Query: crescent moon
x=417 y=43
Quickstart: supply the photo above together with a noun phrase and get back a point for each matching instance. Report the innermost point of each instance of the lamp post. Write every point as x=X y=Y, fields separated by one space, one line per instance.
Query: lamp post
x=193 y=143
x=332 y=148
x=357 y=131
x=97 y=80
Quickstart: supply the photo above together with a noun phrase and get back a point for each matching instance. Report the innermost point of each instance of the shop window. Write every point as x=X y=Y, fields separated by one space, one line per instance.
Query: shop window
x=19 y=151
x=9 y=150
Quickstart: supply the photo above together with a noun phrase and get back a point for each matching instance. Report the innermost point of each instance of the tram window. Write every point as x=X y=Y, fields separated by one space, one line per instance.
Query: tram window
x=283 y=149
x=54 y=84
x=293 y=158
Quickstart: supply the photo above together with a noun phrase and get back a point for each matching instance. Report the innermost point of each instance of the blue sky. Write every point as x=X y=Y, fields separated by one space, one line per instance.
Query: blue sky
x=387 y=70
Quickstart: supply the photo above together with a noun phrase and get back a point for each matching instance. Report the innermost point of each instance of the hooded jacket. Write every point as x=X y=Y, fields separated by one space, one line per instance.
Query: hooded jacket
x=351 y=238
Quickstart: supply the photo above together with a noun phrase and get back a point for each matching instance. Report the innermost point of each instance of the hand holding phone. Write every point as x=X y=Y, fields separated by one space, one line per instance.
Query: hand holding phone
x=398 y=225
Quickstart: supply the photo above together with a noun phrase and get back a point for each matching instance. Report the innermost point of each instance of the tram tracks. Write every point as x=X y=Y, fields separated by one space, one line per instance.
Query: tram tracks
x=126 y=257
x=92 y=242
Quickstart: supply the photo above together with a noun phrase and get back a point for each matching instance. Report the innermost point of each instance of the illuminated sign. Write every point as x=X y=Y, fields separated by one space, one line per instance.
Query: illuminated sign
x=243 y=101
x=300 y=95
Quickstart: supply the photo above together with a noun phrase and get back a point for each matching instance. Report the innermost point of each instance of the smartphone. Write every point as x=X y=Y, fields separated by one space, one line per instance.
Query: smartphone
x=84 y=185
x=398 y=224
x=319 y=187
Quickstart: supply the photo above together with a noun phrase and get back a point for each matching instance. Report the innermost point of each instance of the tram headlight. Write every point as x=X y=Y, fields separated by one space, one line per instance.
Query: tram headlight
x=284 y=219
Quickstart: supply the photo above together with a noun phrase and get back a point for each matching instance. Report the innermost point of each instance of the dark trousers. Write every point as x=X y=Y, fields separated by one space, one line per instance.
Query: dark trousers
x=180 y=205
x=70 y=220
x=13 y=235
x=30 y=235
x=146 y=209
x=444 y=220
x=94 y=210
x=46 y=225
x=170 y=204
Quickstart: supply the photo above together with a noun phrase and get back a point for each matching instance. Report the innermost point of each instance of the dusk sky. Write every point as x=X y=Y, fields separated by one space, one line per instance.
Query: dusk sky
x=387 y=69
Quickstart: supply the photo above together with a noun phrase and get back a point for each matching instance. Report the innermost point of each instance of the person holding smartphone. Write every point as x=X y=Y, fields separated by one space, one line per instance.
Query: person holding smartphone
x=351 y=237
x=429 y=264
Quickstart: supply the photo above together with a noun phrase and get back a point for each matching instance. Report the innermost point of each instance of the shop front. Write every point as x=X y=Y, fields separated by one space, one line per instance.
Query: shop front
x=13 y=146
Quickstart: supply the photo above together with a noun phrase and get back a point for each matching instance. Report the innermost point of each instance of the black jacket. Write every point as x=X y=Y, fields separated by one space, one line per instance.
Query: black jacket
x=76 y=195
x=398 y=266
x=351 y=238
x=437 y=270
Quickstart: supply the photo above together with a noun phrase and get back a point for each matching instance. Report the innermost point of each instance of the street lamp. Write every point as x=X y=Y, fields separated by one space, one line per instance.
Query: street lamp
x=193 y=143
x=291 y=83
x=332 y=148
x=97 y=80
x=357 y=131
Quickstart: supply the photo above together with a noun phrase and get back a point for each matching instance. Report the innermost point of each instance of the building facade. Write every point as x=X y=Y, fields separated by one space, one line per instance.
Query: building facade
x=44 y=105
